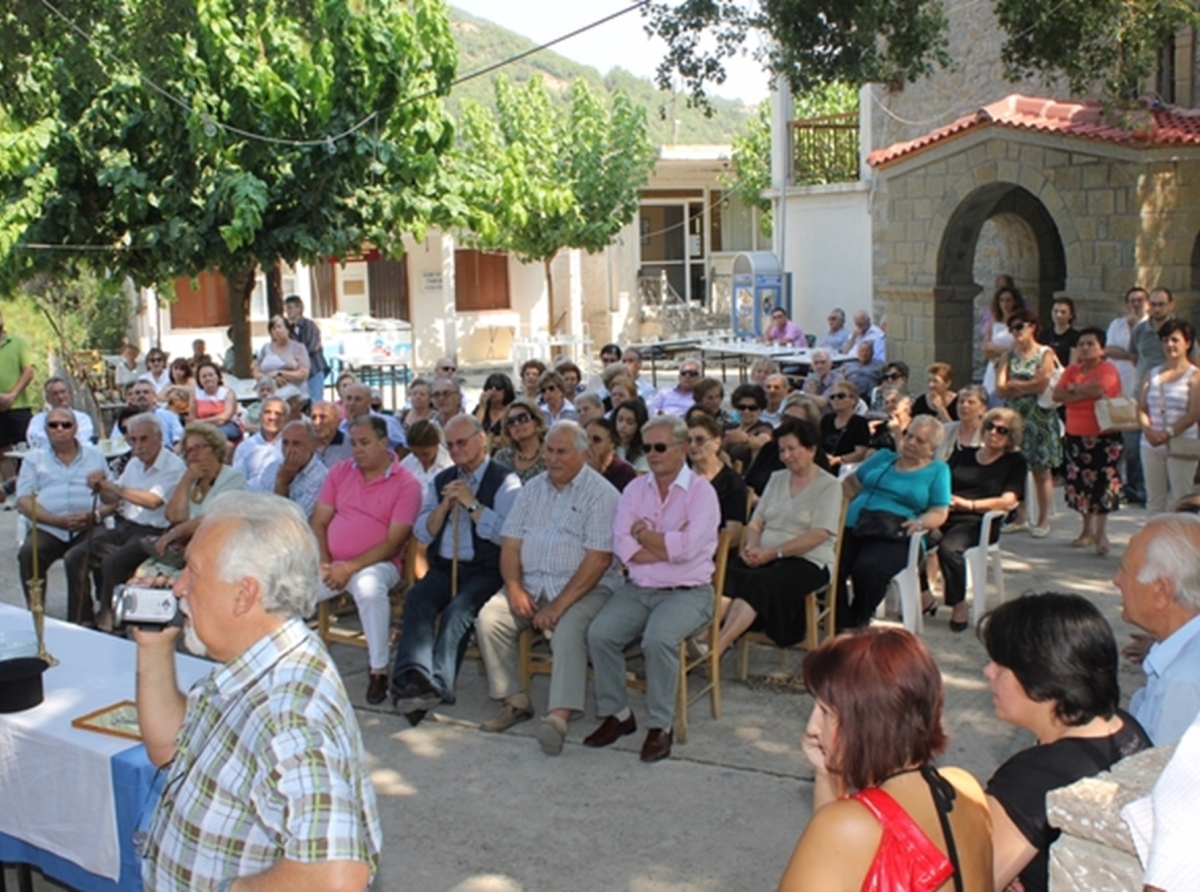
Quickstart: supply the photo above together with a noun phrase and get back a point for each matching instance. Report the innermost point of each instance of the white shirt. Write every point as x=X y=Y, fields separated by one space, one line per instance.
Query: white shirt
x=1119 y=334
x=254 y=457
x=35 y=434
x=412 y=464
x=160 y=478
x=61 y=488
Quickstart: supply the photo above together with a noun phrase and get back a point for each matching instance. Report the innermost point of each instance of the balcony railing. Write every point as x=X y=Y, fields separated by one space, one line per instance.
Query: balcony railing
x=825 y=150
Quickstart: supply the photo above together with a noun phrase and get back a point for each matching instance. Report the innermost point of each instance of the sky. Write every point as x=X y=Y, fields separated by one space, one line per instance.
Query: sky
x=621 y=42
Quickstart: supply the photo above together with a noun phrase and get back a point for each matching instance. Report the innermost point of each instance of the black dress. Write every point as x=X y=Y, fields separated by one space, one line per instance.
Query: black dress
x=921 y=406
x=844 y=440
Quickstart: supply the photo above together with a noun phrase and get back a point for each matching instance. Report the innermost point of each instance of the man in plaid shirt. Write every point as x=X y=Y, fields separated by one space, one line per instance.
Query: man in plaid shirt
x=267 y=787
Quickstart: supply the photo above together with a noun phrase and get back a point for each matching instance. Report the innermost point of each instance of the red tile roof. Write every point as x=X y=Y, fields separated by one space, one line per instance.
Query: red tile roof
x=1152 y=124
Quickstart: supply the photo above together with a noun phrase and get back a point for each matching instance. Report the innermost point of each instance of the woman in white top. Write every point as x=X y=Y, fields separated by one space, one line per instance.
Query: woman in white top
x=997 y=340
x=157 y=372
x=967 y=432
x=282 y=358
x=1169 y=407
x=213 y=402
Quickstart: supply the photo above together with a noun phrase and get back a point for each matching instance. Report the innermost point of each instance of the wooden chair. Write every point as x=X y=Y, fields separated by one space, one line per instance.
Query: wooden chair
x=709 y=660
x=820 y=614
x=343 y=605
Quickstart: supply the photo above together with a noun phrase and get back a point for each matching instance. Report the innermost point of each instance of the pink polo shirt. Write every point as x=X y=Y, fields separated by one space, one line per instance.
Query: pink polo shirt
x=364 y=510
x=690 y=516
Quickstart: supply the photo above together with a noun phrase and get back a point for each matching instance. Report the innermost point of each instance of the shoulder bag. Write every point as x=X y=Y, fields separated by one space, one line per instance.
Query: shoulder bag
x=1046 y=399
x=1179 y=446
x=872 y=524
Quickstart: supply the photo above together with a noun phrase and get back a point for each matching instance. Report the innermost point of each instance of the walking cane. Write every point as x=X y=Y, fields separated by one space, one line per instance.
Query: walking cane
x=85 y=569
x=454 y=552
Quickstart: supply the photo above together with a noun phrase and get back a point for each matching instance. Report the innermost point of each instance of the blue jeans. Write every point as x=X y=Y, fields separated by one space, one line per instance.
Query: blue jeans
x=316 y=386
x=1135 y=480
x=438 y=658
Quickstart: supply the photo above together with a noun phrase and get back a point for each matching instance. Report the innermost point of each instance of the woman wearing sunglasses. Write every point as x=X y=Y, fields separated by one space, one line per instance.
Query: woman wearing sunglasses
x=552 y=388
x=844 y=433
x=1093 y=483
x=1019 y=380
x=498 y=394
x=989 y=478
x=525 y=430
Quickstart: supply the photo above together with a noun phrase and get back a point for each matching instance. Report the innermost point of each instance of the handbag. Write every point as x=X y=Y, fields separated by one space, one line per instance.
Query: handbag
x=881 y=525
x=1179 y=446
x=1045 y=399
x=1117 y=414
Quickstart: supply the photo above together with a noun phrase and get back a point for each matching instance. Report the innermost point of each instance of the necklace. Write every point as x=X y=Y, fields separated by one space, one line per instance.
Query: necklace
x=200 y=490
x=528 y=459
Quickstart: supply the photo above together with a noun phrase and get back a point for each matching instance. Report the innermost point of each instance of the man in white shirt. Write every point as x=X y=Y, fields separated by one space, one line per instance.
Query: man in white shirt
x=140 y=498
x=57 y=476
x=865 y=332
x=58 y=396
x=141 y=396
x=256 y=454
x=678 y=399
x=1159 y=594
x=1118 y=349
x=776 y=387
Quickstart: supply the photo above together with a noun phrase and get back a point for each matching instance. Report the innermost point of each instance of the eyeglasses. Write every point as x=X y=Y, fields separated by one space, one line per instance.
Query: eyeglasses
x=438 y=393
x=447 y=368
x=156 y=359
x=748 y=407
x=998 y=428
x=196 y=447
x=519 y=419
x=839 y=396
x=458 y=444
x=597 y=439
x=658 y=447
x=549 y=388
x=689 y=373
x=1160 y=303
x=1017 y=326
x=699 y=441
x=892 y=376
x=58 y=425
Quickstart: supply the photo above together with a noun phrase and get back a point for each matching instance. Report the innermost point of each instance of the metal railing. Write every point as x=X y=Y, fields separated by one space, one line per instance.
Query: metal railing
x=825 y=150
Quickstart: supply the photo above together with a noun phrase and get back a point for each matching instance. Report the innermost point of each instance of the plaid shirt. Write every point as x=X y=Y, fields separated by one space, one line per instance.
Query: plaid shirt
x=269 y=765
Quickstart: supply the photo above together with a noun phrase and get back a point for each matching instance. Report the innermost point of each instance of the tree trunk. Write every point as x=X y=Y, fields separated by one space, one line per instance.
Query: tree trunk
x=241 y=285
x=275 y=289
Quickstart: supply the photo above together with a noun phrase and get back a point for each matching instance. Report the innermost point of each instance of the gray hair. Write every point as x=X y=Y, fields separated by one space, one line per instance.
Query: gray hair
x=673 y=423
x=840 y=312
x=612 y=371
x=308 y=426
x=937 y=432
x=631 y=353
x=476 y=427
x=277 y=399
x=589 y=398
x=147 y=418
x=796 y=398
x=821 y=353
x=1173 y=553
x=57 y=379
x=578 y=434
x=271 y=542
x=976 y=390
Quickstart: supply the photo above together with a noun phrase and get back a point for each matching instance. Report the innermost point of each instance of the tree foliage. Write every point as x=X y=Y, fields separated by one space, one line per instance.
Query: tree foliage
x=751 y=162
x=173 y=136
x=816 y=42
x=543 y=178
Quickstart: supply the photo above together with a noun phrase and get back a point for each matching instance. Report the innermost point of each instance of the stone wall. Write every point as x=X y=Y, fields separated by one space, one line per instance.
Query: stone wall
x=1095 y=852
x=1103 y=217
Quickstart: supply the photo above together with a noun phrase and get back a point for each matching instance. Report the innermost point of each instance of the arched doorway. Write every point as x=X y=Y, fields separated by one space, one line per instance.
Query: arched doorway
x=998 y=228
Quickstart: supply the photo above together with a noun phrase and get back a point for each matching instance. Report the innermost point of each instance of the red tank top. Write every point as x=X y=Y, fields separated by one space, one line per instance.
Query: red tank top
x=906 y=860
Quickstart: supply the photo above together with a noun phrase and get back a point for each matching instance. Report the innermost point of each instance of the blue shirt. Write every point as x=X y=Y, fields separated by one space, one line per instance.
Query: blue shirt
x=1170 y=701
x=491 y=520
x=907 y=493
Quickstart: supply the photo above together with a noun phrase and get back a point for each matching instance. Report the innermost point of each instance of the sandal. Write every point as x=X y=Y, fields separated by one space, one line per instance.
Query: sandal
x=1083 y=542
x=1102 y=547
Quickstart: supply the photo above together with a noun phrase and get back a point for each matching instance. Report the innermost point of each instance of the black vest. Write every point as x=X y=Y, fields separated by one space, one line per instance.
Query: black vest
x=487 y=553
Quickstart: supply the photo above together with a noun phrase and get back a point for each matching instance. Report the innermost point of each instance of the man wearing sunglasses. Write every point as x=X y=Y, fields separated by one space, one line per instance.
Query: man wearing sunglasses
x=665 y=533
x=57 y=473
x=678 y=399
x=58 y=396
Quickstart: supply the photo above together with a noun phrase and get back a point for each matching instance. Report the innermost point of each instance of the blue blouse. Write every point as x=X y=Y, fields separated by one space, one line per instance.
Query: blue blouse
x=907 y=493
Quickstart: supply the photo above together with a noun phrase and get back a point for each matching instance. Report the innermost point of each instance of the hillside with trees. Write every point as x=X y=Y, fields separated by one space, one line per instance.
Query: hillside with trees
x=481 y=43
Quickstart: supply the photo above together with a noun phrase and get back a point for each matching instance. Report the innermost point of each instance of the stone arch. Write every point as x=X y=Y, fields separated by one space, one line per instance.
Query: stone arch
x=1196 y=264
x=1021 y=222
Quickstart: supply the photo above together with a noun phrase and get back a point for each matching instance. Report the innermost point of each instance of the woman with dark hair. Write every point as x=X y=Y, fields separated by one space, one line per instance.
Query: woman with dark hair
x=620 y=388
x=789 y=544
x=883 y=817
x=572 y=378
x=709 y=394
x=989 y=478
x=748 y=401
x=282 y=358
x=1093 y=481
x=157 y=372
x=179 y=391
x=213 y=402
x=939 y=400
x=844 y=433
x=524 y=430
x=997 y=339
x=601 y=455
x=1062 y=336
x=531 y=374
x=493 y=403
x=1168 y=409
x=907 y=492
x=1020 y=381
x=1053 y=671
x=704 y=455
x=629 y=418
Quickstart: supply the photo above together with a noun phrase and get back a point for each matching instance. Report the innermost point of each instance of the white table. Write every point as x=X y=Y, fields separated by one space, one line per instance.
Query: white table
x=71 y=798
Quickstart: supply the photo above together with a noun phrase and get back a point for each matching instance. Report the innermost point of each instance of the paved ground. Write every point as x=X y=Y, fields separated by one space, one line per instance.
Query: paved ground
x=471 y=812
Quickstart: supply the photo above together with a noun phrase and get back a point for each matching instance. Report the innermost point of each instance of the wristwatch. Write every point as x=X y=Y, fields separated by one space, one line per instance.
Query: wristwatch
x=475 y=506
x=778 y=554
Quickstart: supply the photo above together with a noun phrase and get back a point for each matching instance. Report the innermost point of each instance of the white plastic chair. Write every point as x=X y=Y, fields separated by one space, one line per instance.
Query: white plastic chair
x=907 y=584
x=977 y=565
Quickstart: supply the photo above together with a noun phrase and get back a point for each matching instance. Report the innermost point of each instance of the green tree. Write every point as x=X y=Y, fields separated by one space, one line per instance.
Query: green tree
x=544 y=179
x=156 y=138
x=751 y=161
x=815 y=42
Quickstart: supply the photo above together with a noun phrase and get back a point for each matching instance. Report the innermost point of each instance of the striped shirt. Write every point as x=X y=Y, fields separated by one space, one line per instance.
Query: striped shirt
x=269 y=764
x=557 y=526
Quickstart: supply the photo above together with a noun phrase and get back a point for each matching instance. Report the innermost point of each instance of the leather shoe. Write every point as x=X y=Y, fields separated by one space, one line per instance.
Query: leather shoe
x=611 y=730
x=657 y=745
x=511 y=713
x=416 y=692
x=414 y=717
x=377 y=688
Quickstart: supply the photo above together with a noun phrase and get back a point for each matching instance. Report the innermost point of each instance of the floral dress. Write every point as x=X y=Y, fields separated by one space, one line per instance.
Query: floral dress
x=1041 y=443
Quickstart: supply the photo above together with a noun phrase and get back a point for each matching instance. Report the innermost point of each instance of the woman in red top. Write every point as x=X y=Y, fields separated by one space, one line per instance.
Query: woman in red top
x=1093 y=485
x=875 y=728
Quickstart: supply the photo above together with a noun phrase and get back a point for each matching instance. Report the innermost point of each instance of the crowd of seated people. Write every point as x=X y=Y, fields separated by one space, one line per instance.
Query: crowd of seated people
x=794 y=471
